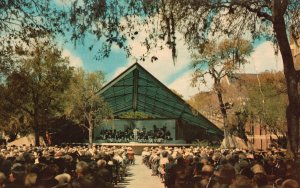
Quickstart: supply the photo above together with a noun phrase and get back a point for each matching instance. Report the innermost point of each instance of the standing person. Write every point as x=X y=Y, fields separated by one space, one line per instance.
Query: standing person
x=227 y=176
x=162 y=164
x=170 y=173
x=130 y=155
x=135 y=134
x=155 y=162
x=180 y=172
x=48 y=138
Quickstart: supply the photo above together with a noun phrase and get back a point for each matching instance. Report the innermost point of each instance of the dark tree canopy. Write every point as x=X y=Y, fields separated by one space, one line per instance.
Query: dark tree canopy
x=35 y=89
x=21 y=21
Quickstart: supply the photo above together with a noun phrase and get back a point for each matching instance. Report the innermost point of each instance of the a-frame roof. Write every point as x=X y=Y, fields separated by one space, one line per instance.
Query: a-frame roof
x=137 y=90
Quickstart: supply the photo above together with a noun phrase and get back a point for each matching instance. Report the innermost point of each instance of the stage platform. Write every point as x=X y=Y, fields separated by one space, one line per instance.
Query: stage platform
x=138 y=147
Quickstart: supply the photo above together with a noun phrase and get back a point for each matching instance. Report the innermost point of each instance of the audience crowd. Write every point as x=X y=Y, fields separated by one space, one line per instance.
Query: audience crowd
x=178 y=167
x=157 y=135
x=63 y=167
x=197 y=167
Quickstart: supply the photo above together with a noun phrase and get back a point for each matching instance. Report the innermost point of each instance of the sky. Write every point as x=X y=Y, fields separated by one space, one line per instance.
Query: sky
x=175 y=76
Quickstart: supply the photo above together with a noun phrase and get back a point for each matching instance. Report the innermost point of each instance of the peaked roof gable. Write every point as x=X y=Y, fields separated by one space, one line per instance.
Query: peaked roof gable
x=138 y=90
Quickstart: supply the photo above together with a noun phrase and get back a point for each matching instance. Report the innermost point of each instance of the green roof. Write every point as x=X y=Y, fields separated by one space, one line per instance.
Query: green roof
x=137 y=90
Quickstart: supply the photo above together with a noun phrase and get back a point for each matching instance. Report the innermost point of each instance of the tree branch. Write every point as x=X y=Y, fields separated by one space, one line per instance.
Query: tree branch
x=257 y=12
x=284 y=5
x=83 y=125
x=11 y=101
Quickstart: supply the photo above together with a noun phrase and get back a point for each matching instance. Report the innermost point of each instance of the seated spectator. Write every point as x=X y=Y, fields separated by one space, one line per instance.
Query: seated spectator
x=243 y=182
x=227 y=175
x=2 y=180
x=17 y=176
x=290 y=183
x=208 y=178
x=81 y=169
x=260 y=177
x=30 y=179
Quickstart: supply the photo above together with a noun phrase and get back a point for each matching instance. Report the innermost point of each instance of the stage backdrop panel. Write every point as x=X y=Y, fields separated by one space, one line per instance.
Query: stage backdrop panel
x=122 y=124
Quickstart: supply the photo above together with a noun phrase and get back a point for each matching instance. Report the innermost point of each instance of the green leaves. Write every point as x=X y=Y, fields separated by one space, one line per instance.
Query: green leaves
x=36 y=88
x=268 y=99
x=220 y=59
x=84 y=102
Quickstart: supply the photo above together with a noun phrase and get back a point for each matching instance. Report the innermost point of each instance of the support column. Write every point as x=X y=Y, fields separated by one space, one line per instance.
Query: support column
x=135 y=89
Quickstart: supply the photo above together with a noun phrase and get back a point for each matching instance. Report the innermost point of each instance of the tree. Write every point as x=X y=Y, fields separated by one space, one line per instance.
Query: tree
x=35 y=88
x=13 y=120
x=21 y=21
x=198 y=21
x=267 y=100
x=220 y=61
x=86 y=106
x=206 y=103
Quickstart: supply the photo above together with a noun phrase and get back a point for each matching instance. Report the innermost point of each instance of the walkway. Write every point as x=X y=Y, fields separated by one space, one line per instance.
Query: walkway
x=139 y=176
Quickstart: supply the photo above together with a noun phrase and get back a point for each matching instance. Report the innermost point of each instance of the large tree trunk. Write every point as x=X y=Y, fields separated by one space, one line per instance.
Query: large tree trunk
x=223 y=112
x=36 y=130
x=292 y=111
x=91 y=131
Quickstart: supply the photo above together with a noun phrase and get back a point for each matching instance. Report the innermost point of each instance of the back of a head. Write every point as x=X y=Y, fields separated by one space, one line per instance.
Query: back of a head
x=243 y=182
x=82 y=167
x=207 y=170
x=101 y=163
x=180 y=161
x=258 y=169
x=2 y=178
x=63 y=179
x=164 y=154
x=170 y=158
x=82 y=182
x=227 y=174
x=190 y=159
x=30 y=179
x=290 y=183
x=260 y=179
x=196 y=159
x=19 y=173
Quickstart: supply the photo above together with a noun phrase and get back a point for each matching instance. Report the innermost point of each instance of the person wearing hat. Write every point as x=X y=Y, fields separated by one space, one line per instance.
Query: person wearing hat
x=260 y=177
